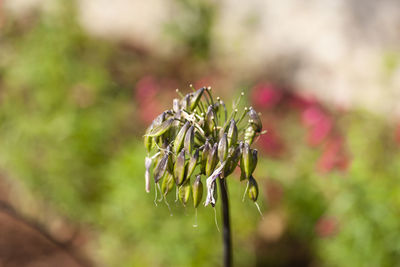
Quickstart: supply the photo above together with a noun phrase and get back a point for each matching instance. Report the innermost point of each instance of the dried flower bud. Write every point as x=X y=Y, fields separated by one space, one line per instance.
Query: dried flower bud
x=192 y=163
x=223 y=148
x=184 y=192
x=255 y=120
x=161 y=129
x=212 y=160
x=180 y=137
x=204 y=157
x=197 y=189
x=160 y=168
x=232 y=133
x=196 y=98
x=253 y=189
x=167 y=183
x=180 y=168
x=189 y=140
x=249 y=135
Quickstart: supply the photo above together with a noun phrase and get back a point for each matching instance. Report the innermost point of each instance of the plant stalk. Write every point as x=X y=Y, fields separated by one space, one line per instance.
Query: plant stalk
x=226 y=231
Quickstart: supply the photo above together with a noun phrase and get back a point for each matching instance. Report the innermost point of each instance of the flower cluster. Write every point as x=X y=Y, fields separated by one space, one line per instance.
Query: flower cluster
x=198 y=137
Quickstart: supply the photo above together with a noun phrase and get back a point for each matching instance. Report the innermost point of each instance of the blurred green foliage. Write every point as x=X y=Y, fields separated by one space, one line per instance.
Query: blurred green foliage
x=68 y=131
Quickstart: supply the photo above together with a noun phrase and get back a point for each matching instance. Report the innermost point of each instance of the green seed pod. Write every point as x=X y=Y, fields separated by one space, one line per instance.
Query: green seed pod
x=255 y=120
x=197 y=189
x=242 y=172
x=232 y=162
x=246 y=158
x=204 y=156
x=180 y=137
x=223 y=148
x=180 y=168
x=192 y=163
x=167 y=183
x=189 y=140
x=148 y=143
x=254 y=160
x=196 y=98
x=212 y=160
x=161 y=129
x=184 y=192
x=232 y=133
x=209 y=122
x=249 y=135
x=253 y=189
x=160 y=168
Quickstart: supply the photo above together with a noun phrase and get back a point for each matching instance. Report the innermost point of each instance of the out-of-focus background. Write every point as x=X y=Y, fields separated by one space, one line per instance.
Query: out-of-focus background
x=81 y=80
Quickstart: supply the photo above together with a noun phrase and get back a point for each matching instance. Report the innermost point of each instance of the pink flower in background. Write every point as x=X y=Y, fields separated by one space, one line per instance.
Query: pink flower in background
x=326 y=226
x=145 y=93
x=397 y=134
x=265 y=95
x=271 y=143
x=319 y=123
x=334 y=156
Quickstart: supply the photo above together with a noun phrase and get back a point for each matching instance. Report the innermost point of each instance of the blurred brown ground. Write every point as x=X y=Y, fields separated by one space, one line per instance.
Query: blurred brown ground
x=23 y=244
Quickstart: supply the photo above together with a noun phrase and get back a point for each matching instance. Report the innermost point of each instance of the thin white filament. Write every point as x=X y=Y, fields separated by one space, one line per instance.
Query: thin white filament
x=195 y=218
x=176 y=194
x=159 y=188
x=245 y=191
x=215 y=219
x=259 y=210
x=169 y=208
x=155 y=196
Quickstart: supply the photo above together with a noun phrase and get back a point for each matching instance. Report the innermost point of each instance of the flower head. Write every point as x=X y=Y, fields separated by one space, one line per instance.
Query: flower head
x=197 y=137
